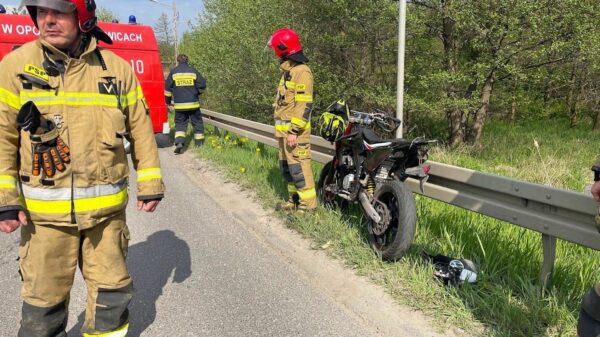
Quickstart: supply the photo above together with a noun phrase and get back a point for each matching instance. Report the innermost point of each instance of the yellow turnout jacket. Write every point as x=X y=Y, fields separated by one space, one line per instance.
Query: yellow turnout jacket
x=294 y=101
x=95 y=101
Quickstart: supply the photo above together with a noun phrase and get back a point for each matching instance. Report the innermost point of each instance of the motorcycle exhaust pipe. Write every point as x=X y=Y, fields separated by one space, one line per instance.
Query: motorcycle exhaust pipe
x=369 y=209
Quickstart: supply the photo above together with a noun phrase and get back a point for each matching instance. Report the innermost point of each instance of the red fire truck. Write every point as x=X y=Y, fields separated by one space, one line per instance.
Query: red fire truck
x=134 y=43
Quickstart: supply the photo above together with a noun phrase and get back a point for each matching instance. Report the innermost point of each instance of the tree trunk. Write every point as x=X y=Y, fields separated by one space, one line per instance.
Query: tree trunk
x=513 y=105
x=454 y=115
x=546 y=95
x=456 y=122
x=597 y=120
x=572 y=96
x=573 y=115
x=513 y=110
x=547 y=86
x=481 y=113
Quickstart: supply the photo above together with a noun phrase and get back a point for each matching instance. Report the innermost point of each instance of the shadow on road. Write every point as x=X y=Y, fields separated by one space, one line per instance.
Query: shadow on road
x=151 y=264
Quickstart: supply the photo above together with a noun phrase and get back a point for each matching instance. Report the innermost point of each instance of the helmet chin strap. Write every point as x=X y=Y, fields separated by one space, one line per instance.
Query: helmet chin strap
x=283 y=58
x=83 y=42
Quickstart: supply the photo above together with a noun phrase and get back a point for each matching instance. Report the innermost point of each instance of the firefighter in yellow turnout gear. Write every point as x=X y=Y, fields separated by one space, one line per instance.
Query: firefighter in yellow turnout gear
x=65 y=108
x=293 y=106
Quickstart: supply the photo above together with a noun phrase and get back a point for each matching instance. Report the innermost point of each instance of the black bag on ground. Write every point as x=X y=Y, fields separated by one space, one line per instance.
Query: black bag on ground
x=452 y=271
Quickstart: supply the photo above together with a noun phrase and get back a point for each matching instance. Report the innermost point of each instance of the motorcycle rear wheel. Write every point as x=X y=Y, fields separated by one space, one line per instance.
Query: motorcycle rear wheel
x=328 y=199
x=395 y=240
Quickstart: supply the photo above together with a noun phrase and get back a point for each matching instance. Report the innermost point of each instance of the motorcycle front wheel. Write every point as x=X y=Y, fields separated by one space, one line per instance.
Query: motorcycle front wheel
x=329 y=199
x=393 y=236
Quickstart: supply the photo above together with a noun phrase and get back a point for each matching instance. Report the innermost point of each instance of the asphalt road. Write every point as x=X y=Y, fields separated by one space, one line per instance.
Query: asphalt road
x=200 y=271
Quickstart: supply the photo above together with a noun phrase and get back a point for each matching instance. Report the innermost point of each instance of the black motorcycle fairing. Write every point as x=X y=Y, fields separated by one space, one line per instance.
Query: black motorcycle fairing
x=372 y=138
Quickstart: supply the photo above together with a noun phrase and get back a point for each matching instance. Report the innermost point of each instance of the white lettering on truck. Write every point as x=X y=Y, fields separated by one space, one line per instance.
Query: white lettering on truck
x=125 y=37
x=7 y=29
x=138 y=66
x=20 y=29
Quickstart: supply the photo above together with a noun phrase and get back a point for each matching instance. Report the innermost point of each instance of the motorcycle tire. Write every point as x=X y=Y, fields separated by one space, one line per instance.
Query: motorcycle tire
x=396 y=239
x=328 y=199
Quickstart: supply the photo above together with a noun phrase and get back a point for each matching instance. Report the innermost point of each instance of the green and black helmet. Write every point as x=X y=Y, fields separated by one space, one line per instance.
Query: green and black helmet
x=334 y=120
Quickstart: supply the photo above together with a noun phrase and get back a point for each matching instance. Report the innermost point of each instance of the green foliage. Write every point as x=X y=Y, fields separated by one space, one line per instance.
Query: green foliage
x=104 y=14
x=18 y=10
x=165 y=36
x=228 y=47
x=537 y=59
x=517 y=155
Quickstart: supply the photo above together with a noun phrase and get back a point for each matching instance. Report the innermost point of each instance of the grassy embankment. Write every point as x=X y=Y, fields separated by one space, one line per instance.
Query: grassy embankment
x=508 y=299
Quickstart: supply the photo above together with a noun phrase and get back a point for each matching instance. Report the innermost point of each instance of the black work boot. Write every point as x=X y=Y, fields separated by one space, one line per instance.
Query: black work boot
x=199 y=142
x=178 y=148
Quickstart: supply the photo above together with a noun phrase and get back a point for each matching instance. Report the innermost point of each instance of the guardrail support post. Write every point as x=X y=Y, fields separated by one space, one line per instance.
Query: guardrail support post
x=549 y=244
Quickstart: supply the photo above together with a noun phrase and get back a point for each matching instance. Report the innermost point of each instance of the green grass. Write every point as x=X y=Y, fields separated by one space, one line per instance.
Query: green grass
x=508 y=299
x=562 y=158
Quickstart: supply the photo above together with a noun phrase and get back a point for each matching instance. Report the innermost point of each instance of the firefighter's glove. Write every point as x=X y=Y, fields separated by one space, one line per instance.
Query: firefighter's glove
x=49 y=151
x=50 y=154
x=29 y=117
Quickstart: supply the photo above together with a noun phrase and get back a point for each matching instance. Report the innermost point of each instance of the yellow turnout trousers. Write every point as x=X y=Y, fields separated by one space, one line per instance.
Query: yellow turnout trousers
x=295 y=167
x=49 y=256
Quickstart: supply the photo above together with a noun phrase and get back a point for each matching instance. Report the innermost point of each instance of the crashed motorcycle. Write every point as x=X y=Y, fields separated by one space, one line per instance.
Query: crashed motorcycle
x=371 y=172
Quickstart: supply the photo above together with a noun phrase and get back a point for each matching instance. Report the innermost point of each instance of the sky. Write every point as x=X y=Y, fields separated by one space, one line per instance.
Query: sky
x=145 y=11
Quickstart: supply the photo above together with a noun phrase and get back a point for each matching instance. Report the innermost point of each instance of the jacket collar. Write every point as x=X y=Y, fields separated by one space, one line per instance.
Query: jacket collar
x=56 y=54
x=287 y=65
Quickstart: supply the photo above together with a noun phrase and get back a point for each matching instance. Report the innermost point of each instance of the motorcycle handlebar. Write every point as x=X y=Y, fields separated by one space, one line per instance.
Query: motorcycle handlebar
x=396 y=120
x=362 y=117
x=359 y=116
x=381 y=119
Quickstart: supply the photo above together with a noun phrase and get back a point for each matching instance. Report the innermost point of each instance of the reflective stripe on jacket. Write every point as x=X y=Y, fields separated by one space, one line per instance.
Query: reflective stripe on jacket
x=94 y=109
x=293 y=104
x=183 y=87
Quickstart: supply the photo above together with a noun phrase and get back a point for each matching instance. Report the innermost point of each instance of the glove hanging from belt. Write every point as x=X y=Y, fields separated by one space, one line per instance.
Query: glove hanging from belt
x=49 y=151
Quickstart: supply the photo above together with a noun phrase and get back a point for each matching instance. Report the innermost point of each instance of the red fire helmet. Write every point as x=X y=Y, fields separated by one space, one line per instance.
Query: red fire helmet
x=86 y=10
x=285 y=42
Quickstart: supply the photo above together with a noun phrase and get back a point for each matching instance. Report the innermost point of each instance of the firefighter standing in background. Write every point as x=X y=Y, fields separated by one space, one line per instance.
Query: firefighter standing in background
x=589 y=315
x=2 y=9
x=65 y=108
x=182 y=89
x=293 y=106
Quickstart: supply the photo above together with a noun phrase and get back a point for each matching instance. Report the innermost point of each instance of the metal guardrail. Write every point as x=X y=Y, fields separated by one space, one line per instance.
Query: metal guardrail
x=555 y=213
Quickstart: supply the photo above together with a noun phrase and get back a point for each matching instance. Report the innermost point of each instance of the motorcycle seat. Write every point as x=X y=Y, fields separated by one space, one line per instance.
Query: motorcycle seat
x=372 y=138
